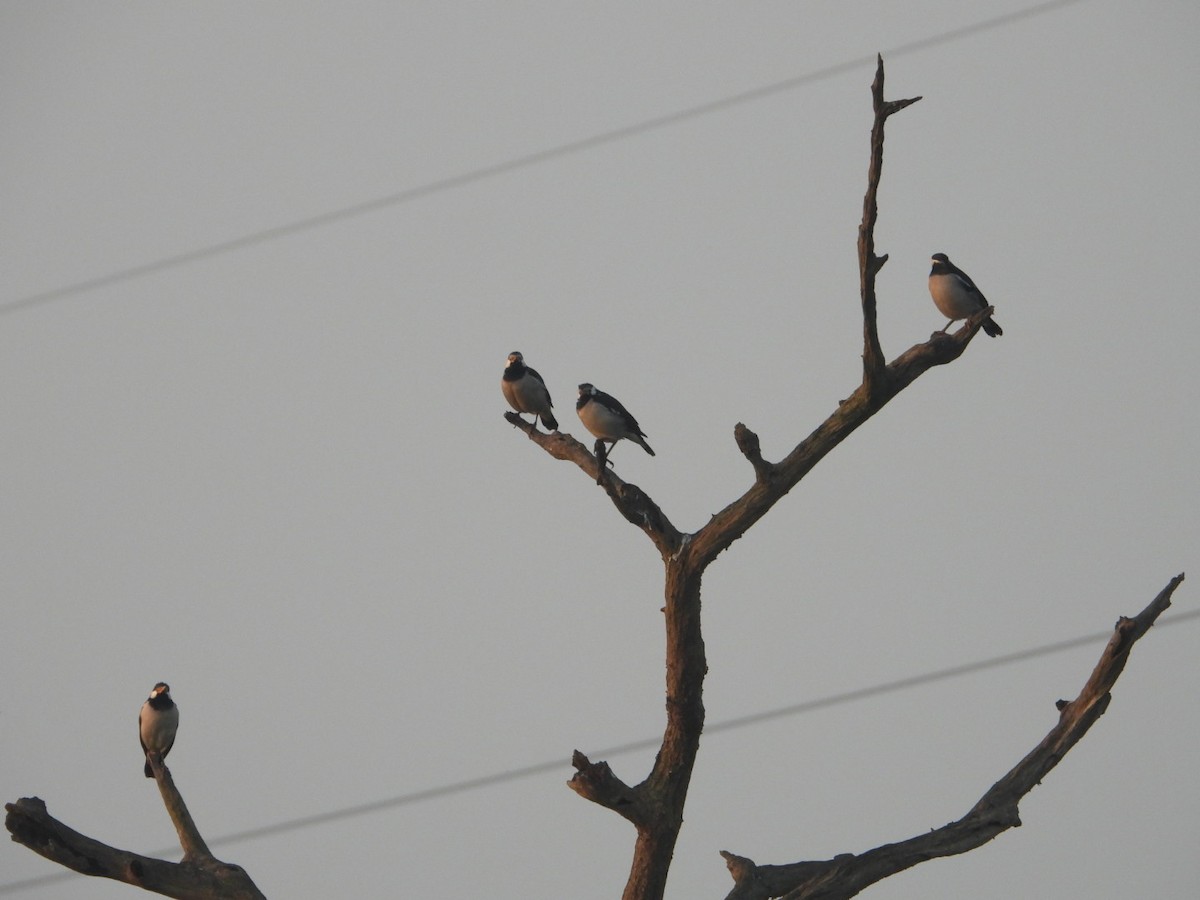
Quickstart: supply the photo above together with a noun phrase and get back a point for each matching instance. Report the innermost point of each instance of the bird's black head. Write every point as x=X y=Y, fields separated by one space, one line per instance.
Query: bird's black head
x=515 y=358
x=940 y=258
x=160 y=689
x=585 y=395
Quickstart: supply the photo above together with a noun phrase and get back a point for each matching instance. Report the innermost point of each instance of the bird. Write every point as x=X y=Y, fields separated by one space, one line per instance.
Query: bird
x=955 y=294
x=526 y=392
x=605 y=417
x=157 y=723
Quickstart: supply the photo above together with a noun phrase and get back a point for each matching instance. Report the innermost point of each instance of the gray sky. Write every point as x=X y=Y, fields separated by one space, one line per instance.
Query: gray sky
x=278 y=478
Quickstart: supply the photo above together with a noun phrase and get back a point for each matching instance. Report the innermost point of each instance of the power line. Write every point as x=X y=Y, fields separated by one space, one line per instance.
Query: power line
x=472 y=784
x=520 y=162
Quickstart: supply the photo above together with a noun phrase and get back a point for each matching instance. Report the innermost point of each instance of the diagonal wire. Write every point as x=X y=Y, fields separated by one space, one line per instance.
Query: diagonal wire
x=519 y=162
x=559 y=764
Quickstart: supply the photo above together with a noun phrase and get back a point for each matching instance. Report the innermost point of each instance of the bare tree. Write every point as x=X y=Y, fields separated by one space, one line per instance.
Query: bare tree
x=655 y=805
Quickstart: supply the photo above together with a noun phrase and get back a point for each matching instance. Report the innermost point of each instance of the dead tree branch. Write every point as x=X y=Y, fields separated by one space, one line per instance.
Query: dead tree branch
x=774 y=480
x=868 y=263
x=630 y=501
x=194 y=848
x=848 y=874
x=199 y=876
x=655 y=806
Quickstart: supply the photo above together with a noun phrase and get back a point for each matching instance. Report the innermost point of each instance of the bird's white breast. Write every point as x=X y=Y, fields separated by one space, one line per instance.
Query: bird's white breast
x=602 y=421
x=952 y=297
x=158 y=727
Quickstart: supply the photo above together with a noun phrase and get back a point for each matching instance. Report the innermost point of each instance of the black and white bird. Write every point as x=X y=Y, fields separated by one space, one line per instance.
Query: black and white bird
x=526 y=392
x=955 y=294
x=605 y=417
x=157 y=723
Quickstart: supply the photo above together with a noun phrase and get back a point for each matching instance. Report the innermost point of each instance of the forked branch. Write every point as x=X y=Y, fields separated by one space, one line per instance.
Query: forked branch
x=774 y=480
x=200 y=876
x=655 y=806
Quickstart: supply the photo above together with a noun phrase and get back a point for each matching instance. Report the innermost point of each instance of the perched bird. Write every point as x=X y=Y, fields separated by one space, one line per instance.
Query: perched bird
x=955 y=294
x=607 y=419
x=526 y=392
x=157 y=723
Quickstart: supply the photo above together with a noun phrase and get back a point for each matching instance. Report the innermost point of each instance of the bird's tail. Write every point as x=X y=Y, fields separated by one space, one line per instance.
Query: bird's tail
x=641 y=440
x=549 y=421
x=992 y=328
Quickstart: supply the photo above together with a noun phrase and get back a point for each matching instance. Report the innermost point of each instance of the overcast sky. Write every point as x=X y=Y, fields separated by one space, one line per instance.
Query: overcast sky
x=260 y=268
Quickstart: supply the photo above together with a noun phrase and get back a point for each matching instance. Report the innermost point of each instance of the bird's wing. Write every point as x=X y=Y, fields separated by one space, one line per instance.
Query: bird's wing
x=541 y=381
x=965 y=280
x=615 y=405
